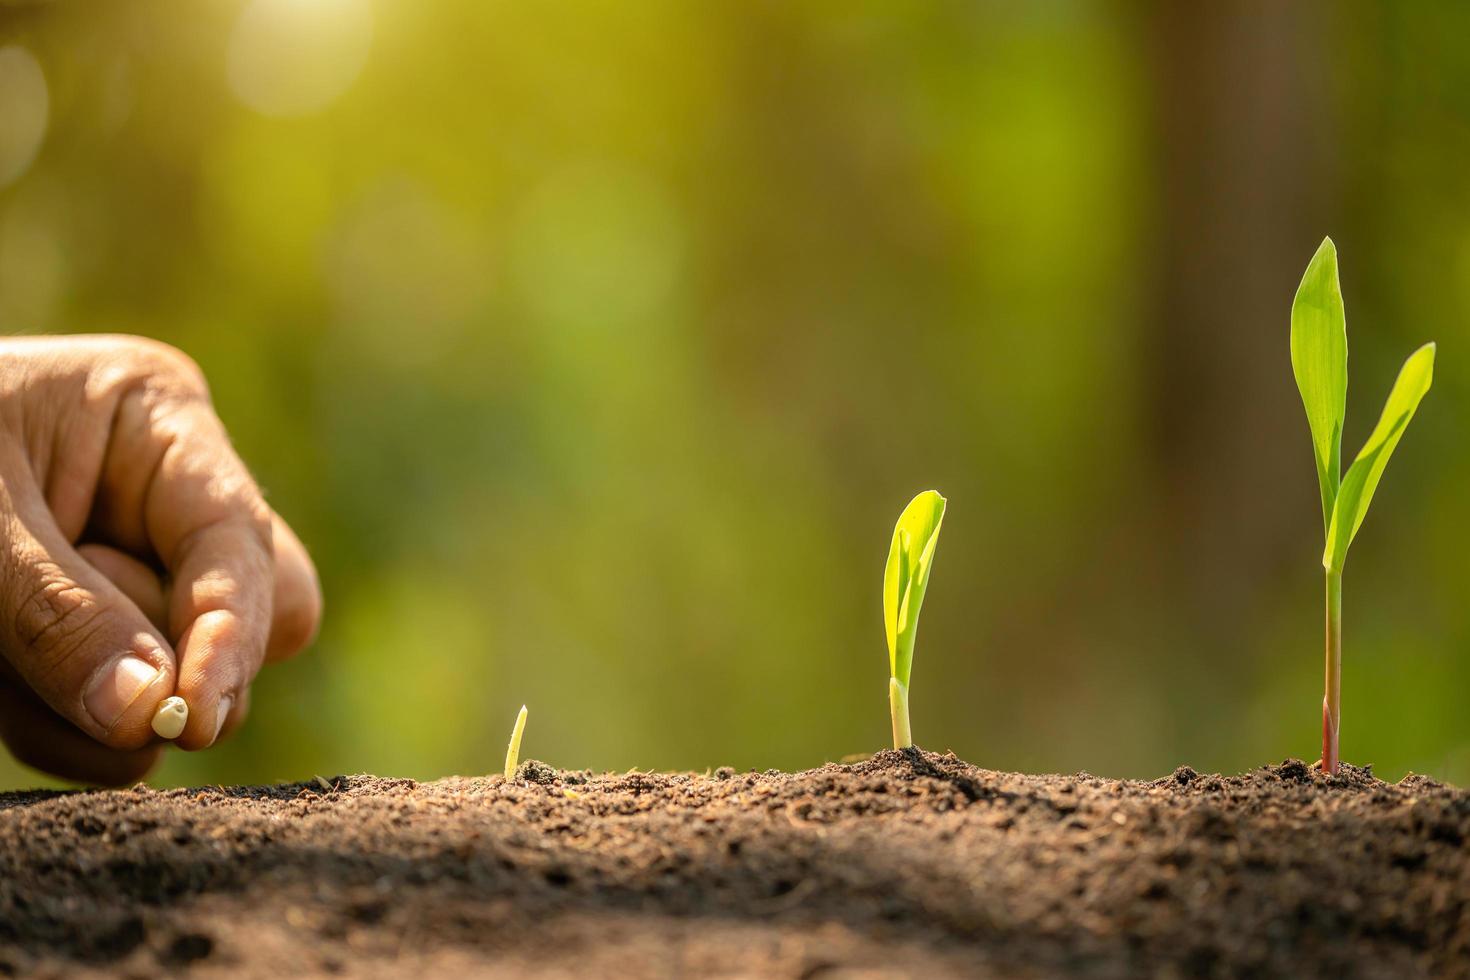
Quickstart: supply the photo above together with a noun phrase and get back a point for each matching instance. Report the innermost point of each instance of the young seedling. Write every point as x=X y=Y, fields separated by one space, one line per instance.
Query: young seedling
x=513 y=750
x=1319 y=361
x=905 y=578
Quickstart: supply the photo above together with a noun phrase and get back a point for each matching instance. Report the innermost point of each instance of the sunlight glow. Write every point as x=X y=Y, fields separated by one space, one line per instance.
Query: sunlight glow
x=296 y=57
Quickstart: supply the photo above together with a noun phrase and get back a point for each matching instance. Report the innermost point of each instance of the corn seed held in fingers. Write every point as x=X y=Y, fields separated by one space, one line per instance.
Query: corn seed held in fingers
x=171 y=717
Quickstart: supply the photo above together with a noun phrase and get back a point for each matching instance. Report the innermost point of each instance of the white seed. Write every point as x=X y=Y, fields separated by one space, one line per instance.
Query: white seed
x=171 y=717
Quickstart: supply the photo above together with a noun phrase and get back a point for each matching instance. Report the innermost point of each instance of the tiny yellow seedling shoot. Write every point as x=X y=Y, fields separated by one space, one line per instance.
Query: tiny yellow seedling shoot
x=905 y=579
x=513 y=751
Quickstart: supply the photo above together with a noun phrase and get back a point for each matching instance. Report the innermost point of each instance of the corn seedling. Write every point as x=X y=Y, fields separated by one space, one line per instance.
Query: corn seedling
x=1319 y=361
x=905 y=578
x=513 y=750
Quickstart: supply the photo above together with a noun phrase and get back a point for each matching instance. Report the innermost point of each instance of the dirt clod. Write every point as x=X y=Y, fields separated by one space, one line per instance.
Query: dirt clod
x=536 y=771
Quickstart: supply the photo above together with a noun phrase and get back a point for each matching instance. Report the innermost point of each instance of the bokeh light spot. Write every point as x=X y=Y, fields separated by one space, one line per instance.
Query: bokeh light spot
x=295 y=57
x=25 y=104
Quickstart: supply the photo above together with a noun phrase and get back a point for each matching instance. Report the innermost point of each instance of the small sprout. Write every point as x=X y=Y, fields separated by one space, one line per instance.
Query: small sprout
x=171 y=717
x=1319 y=362
x=513 y=751
x=905 y=578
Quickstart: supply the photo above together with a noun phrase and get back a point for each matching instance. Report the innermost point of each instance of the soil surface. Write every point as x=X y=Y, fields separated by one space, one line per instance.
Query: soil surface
x=907 y=864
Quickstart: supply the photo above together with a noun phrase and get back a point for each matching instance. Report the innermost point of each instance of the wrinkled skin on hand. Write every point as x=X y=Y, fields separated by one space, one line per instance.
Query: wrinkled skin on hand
x=138 y=559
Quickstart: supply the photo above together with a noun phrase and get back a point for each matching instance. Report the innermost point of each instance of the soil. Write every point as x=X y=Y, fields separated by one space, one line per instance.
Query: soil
x=906 y=864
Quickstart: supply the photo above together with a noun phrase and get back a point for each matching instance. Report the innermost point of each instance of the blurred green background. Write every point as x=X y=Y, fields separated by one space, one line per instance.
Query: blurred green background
x=593 y=349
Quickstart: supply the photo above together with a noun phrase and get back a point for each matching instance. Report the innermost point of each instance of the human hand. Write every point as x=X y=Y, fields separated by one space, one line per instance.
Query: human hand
x=138 y=558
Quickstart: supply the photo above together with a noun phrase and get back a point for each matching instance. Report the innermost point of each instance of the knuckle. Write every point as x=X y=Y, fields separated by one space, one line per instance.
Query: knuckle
x=166 y=360
x=155 y=363
x=157 y=372
x=55 y=616
x=214 y=589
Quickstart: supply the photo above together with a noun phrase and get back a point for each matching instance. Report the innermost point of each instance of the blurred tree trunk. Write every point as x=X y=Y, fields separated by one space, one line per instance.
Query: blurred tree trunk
x=1244 y=185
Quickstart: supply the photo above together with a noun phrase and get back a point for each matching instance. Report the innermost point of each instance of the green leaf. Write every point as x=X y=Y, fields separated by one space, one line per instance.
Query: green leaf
x=1362 y=477
x=906 y=577
x=1319 y=361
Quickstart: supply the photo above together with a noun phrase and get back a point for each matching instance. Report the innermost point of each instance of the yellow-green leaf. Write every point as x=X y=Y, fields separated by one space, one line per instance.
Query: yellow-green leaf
x=1356 y=492
x=906 y=577
x=1319 y=361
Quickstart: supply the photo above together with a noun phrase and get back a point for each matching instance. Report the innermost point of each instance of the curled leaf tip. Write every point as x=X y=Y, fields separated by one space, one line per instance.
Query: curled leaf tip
x=906 y=577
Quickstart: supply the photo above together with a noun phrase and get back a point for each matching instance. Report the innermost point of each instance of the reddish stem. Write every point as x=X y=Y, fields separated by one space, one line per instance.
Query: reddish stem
x=1329 y=741
x=1332 y=699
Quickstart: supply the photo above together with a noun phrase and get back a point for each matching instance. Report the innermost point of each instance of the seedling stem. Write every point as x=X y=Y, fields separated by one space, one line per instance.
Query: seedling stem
x=898 y=706
x=1332 y=700
x=513 y=751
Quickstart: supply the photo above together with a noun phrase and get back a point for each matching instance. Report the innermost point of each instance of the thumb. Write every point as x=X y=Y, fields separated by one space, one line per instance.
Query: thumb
x=71 y=634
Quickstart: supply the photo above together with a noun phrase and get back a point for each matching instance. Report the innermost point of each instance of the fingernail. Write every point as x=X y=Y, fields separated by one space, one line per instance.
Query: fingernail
x=221 y=713
x=117 y=687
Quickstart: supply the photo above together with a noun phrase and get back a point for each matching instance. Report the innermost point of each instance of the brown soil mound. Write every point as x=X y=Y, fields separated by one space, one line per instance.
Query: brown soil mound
x=909 y=864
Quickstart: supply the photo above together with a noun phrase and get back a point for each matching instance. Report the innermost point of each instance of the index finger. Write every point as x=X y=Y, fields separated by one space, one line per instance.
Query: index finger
x=209 y=524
